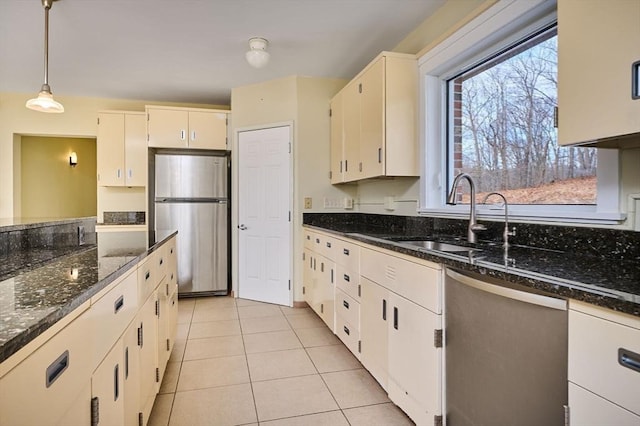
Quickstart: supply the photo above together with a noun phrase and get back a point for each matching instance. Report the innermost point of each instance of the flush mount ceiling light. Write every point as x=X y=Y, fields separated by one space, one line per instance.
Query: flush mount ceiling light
x=257 y=56
x=44 y=102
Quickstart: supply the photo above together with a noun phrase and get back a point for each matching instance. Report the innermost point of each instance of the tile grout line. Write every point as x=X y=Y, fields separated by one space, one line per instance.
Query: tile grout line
x=246 y=359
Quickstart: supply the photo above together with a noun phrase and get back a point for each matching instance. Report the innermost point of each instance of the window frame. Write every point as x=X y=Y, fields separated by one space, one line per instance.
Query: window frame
x=502 y=25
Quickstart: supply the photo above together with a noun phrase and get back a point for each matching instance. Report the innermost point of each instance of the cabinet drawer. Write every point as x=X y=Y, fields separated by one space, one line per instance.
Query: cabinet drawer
x=596 y=354
x=348 y=255
x=111 y=315
x=308 y=237
x=42 y=388
x=588 y=409
x=328 y=246
x=348 y=281
x=348 y=309
x=148 y=278
x=349 y=335
x=419 y=283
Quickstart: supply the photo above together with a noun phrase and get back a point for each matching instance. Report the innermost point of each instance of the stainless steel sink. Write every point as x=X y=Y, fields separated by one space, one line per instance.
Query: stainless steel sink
x=436 y=245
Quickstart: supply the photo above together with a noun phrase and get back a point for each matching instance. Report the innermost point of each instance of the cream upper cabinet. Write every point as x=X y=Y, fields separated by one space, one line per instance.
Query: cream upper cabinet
x=336 y=172
x=187 y=128
x=598 y=41
x=378 y=121
x=121 y=149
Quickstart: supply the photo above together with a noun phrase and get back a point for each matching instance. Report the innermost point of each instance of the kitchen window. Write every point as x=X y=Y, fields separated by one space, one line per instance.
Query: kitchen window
x=488 y=98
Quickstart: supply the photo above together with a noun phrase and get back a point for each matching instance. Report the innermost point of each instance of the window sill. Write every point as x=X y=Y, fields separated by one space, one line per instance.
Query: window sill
x=559 y=217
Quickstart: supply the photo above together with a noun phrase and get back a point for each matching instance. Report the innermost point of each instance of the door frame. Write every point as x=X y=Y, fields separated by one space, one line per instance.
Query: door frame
x=235 y=168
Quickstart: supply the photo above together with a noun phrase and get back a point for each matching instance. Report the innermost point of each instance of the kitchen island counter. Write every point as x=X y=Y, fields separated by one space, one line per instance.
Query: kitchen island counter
x=34 y=299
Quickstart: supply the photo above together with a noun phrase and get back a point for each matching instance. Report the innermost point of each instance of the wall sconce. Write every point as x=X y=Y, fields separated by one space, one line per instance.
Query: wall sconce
x=257 y=56
x=73 y=159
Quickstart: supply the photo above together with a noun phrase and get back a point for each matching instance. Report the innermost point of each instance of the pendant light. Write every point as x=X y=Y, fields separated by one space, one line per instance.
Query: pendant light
x=45 y=102
x=257 y=56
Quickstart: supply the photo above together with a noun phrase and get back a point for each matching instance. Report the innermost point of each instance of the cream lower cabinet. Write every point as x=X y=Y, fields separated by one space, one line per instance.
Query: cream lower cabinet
x=52 y=385
x=107 y=396
x=318 y=276
x=193 y=128
x=148 y=356
x=604 y=366
x=400 y=328
x=131 y=374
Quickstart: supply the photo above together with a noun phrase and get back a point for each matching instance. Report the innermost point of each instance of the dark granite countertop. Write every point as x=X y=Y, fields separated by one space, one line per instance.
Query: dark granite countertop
x=19 y=223
x=611 y=283
x=32 y=300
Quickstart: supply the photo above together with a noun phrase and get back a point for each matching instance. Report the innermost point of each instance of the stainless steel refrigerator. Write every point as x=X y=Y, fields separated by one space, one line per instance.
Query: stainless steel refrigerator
x=191 y=196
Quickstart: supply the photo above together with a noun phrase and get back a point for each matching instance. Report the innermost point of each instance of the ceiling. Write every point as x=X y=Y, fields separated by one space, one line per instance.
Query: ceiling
x=192 y=51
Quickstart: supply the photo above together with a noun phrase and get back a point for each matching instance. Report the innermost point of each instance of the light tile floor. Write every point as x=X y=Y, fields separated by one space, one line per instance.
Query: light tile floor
x=240 y=362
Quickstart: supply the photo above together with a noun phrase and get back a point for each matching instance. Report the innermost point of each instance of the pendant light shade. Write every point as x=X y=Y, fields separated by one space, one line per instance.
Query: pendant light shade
x=257 y=56
x=45 y=102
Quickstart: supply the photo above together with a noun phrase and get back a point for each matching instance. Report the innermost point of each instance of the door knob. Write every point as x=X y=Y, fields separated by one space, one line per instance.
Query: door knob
x=242 y=227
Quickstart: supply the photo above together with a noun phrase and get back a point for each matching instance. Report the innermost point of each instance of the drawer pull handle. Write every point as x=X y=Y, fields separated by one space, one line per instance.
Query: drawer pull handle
x=317 y=240
x=161 y=261
x=346 y=252
x=171 y=250
x=147 y=275
x=56 y=368
x=346 y=330
x=346 y=278
x=328 y=244
x=345 y=304
x=118 y=304
x=629 y=359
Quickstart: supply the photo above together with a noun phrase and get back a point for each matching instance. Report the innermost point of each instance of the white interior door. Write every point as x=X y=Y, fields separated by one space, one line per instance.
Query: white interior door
x=264 y=222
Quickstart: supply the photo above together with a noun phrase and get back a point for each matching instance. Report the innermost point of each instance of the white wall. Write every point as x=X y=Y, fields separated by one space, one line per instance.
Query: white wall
x=304 y=102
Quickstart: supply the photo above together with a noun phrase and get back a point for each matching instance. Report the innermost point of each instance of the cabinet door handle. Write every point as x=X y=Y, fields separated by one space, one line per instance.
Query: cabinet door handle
x=384 y=310
x=118 y=173
x=130 y=173
x=629 y=359
x=346 y=330
x=147 y=275
x=116 y=383
x=395 y=317
x=193 y=135
x=346 y=165
x=182 y=134
x=345 y=252
x=340 y=166
x=328 y=244
x=317 y=240
x=118 y=304
x=345 y=304
x=379 y=155
x=321 y=266
x=346 y=277
x=126 y=363
x=56 y=368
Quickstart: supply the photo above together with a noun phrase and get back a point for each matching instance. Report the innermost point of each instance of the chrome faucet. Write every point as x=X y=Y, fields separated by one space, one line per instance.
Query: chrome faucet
x=506 y=233
x=451 y=199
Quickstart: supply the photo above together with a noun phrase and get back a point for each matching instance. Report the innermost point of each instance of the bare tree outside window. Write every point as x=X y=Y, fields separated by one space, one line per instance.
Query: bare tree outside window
x=502 y=129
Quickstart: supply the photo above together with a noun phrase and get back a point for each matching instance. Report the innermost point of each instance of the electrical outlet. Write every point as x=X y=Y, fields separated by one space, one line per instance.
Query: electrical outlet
x=308 y=202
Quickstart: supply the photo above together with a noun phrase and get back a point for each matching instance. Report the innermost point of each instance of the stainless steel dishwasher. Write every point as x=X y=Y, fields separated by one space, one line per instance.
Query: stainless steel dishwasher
x=505 y=354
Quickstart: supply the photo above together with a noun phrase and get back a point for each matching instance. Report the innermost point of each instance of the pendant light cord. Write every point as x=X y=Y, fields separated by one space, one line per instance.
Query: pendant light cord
x=47 y=6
